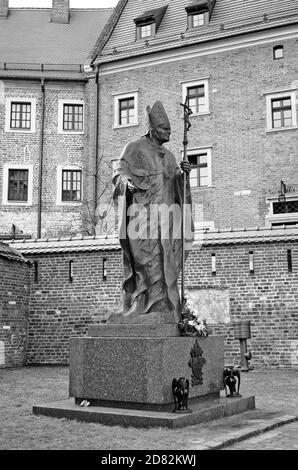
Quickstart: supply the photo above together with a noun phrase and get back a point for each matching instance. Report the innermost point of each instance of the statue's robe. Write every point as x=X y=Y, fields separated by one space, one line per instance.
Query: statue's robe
x=151 y=260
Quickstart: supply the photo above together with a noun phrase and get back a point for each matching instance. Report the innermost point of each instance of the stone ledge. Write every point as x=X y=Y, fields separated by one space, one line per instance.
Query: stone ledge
x=133 y=330
x=144 y=419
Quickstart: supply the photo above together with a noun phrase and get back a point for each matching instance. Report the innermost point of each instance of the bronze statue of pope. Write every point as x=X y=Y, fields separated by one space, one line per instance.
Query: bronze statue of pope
x=149 y=180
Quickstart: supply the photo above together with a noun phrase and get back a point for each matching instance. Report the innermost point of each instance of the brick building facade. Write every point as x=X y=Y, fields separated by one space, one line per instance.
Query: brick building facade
x=46 y=160
x=238 y=67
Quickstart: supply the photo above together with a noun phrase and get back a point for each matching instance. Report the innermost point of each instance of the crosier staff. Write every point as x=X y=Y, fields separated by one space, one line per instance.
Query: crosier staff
x=186 y=113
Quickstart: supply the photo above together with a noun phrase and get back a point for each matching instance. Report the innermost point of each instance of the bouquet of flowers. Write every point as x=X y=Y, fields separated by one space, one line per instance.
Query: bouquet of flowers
x=190 y=323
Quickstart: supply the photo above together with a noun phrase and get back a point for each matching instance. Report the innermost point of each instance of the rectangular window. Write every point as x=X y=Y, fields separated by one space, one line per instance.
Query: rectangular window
x=278 y=52
x=17 y=185
x=126 y=111
x=286 y=207
x=72 y=117
x=197 y=93
x=20 y=115
x=197 y=20
x=145 y=31
x=198 y=176
x=281 y=112
x=71 y=185
x=196 y=98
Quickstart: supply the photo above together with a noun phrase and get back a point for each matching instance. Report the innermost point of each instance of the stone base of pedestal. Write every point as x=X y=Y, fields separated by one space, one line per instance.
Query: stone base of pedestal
x=125 y=374
x=206 y=410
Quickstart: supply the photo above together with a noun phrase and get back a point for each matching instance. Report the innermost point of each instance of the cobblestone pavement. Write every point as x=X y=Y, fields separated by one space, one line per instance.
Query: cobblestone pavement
x=282 y=438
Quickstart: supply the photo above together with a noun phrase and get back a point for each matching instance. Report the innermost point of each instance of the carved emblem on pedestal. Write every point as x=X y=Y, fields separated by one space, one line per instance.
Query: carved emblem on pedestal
x=196 y=363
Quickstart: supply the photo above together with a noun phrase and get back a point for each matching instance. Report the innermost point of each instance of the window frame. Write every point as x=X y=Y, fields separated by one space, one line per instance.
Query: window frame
x=270 y=97
x=73 y=115
x=139 y=27
x=281 y=219
x=59 y=195
x=190 y=19
x=72 y=102
x=281 y=109
x=196 y=84
x=276 y=48
x=17 y=166
x=8 y=114
x=121 y=97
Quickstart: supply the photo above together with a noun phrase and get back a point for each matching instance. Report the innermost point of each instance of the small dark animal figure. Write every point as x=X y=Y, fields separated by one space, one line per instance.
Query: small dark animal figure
x=180 y=389
x=230 y=377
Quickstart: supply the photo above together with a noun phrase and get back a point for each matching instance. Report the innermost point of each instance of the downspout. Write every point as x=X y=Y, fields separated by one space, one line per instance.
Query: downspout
x=40 y=170
x=96 y=113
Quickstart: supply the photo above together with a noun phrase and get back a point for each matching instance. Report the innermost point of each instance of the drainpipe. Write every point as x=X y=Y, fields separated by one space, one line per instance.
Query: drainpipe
x=40 y=171
x=96 y=112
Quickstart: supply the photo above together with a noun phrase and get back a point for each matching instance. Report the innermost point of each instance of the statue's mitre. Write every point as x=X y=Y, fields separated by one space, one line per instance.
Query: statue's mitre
x=157 y=115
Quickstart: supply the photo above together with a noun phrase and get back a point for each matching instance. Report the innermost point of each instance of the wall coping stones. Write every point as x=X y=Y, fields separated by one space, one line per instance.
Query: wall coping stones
x=225 y=236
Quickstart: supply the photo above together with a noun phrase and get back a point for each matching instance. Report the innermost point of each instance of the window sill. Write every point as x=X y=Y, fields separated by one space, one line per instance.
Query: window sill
x=20 y=131
x=281 y=129
x=126 y=125
x=60 y=132
x=16 y=203
x=201 y=188
x=205 y=113
x=66 y=203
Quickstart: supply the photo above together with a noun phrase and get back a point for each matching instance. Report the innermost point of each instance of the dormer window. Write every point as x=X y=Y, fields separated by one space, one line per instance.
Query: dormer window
x=199 y=13
x=197 y=20
x=146 y=31
x=147 y=24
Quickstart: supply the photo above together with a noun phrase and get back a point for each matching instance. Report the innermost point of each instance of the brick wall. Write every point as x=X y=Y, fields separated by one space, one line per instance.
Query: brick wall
x=245 y=157
x=60 y=309
x=14 y=310
x=268 y=298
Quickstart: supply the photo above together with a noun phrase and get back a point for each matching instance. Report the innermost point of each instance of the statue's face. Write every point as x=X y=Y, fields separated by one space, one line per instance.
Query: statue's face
x=162 y=133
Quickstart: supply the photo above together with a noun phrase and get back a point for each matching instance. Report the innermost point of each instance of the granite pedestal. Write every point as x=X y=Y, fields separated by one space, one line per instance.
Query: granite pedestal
x=125 y=373
x=137 y=371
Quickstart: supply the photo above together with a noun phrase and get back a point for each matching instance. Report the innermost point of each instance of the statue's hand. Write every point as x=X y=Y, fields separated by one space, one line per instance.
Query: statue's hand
x=130 y=186
x=185 y=166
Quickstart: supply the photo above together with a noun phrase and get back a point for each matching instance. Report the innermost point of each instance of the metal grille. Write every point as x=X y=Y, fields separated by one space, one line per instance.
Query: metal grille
x=286 y=207
x=73 y=117
x=71 y=185
x=18 y=185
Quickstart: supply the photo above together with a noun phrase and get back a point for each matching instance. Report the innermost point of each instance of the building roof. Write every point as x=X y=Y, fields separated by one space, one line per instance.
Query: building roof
x=10 y=253
x=107 y=243
x=229 y=18
x=27 y=36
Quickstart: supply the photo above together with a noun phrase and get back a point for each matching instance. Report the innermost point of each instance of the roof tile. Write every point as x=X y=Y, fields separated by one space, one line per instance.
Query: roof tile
x=229 y=18
x=28 y=35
